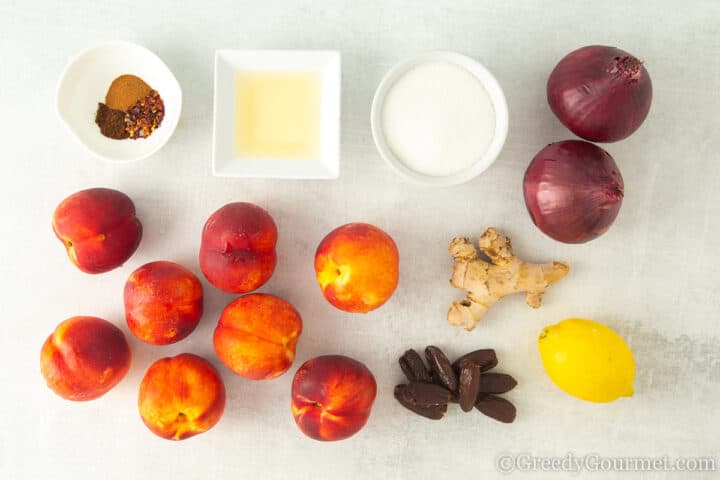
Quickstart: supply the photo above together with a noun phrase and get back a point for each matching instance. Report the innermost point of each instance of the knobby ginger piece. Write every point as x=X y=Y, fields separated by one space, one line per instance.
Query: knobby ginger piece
x=487 y=282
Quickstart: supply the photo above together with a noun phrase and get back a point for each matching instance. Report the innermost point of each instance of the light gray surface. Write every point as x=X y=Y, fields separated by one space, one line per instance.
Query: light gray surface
x=653 y=277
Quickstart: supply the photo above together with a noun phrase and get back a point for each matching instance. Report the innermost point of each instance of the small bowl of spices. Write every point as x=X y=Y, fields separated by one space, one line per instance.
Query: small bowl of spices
x=120 y=101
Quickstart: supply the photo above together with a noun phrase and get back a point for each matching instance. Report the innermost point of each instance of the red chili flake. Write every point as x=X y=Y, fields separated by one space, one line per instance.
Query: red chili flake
x=143 y=118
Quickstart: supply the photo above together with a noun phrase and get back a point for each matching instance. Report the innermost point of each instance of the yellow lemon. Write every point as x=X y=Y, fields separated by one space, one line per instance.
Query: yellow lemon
x=587 y=360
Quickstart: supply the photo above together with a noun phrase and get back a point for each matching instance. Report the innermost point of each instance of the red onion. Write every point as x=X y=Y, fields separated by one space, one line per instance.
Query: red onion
x=573 y=191
x=601 y=94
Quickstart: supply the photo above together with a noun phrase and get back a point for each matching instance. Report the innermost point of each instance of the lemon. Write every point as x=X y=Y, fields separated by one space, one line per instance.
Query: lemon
x=587 y=360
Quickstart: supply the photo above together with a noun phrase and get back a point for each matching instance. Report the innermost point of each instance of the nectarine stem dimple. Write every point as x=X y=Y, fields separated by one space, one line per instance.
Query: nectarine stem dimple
x=338 y=274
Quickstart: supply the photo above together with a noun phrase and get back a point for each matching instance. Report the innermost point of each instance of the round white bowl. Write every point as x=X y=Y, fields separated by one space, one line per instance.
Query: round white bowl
x=494 y=91
x=85 y=82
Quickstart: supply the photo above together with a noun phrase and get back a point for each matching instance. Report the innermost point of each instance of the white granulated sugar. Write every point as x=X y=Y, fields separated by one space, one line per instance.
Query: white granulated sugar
x=438 y=119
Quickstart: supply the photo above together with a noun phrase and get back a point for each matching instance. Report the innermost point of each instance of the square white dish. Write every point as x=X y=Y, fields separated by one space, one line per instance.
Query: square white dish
x=226 y=163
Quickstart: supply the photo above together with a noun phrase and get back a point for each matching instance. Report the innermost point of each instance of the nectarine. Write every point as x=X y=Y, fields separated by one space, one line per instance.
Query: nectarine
x=357 y=267
x=163 y=302
x=98 y=227
x=256 y=336
x=84 y=358
x=237 y=249
x=332 y=396
x=181 y=396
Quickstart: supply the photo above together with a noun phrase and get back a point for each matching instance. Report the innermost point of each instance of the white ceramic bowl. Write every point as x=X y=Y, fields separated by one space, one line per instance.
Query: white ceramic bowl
x=225 y=162
x=85 y=82
x=494 y=91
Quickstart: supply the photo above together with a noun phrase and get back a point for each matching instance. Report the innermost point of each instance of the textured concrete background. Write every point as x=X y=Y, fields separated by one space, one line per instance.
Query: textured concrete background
x=653 y=277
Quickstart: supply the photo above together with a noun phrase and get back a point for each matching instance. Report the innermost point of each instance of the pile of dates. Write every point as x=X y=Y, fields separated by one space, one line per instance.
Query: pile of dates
x=466 y=382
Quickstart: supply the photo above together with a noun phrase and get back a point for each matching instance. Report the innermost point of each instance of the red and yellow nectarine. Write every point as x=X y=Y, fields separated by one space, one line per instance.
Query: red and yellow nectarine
x=181 y=396
x=163 y=302
x=357 y=267
x=256 y=336
x=84 y=358
x=237 y=249
x=332 y=396
x=98 y=227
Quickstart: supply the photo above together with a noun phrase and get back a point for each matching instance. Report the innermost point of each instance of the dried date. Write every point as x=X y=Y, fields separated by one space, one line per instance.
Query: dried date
x=413 y=367
x=486 y=358
x=441 y=367
x=496 y=383
x=433 y=412
x=496 y=407
x=468 y=384
x=425 y=394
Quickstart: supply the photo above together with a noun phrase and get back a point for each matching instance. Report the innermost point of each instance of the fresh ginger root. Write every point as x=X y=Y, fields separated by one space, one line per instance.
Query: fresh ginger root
x=486 y=283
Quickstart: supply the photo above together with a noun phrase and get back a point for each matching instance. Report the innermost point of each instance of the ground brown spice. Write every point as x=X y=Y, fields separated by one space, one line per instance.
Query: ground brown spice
x=125 y=91
x=111 y=122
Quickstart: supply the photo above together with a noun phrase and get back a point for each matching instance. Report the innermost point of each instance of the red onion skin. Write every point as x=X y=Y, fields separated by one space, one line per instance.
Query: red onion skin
x=573 y=191
x=601 y=94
